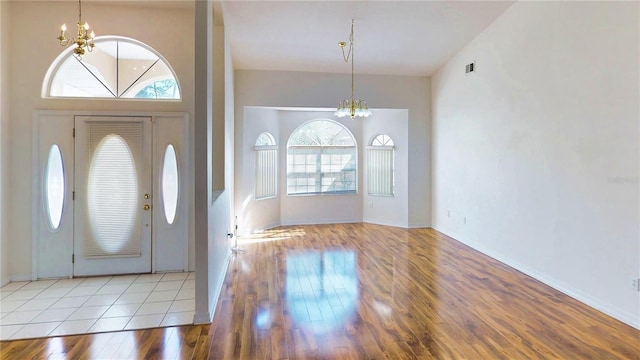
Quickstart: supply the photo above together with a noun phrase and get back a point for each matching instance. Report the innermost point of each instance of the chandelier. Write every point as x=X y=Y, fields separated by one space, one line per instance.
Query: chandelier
x=83 y=41
x=352 y=107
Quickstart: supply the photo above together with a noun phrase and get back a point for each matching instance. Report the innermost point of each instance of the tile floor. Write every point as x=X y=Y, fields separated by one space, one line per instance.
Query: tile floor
x=41 y=308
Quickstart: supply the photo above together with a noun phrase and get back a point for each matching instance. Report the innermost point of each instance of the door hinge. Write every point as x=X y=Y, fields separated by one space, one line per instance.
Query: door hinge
x=73 y=195
x=74 y=132
x=73 y=258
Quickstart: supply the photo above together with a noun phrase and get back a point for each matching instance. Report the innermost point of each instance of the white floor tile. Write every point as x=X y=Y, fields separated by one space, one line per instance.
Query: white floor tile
x=154 y=308
x=189 y=284
x=97 y=300
x=19 y=317
x=10 y=305
x=96 y=280
x=132 y=298
x=121 y=310
x=68 y=283
x=174 y=276
x=23 y=294
x=179 y=318
x=13 y=286
x=53 y=315
x=36 y=304
x=7 y=330
x=70 y=302
x=108 y=303
x=144 y=321
x=182 y=306
x=53 y=292
x=89 y=312
x=73 y=327
x=168 y=285
x=112 y=289
x=35 y=330
x=141 y=287
x=82 y=290
x=126 y=279
x=157 y=296
x=148 y=278
x=40 y=284
x=110 y=324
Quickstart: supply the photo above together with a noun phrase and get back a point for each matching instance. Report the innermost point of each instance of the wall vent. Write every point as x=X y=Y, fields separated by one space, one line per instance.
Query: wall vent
x=469 y=68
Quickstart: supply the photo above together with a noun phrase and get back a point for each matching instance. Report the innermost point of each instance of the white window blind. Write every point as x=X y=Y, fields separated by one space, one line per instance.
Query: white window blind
x=266 y=167
x=380 y=177
x=112 y=190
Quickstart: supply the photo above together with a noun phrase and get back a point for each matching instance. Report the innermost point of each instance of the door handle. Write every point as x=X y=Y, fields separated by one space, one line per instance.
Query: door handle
x=146 y=207
x=147 y=196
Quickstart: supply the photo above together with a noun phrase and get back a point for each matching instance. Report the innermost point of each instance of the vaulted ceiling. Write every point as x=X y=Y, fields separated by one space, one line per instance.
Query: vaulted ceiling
x=391 y=37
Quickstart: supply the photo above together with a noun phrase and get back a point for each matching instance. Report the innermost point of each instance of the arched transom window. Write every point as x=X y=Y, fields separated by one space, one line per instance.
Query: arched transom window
x=321 y=159
x=118 y=67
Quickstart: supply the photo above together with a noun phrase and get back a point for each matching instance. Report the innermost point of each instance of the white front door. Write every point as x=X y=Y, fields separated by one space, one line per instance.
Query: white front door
x=113 y=195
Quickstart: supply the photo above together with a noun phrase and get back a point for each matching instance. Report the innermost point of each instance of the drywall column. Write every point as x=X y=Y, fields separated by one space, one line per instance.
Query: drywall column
x=202 y=152
x=4 y=142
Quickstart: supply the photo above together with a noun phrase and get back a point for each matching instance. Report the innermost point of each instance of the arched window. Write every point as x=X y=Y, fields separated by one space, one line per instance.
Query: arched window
x=266 y=166
x=380 y=177
x=321 y=159
x=118 y=67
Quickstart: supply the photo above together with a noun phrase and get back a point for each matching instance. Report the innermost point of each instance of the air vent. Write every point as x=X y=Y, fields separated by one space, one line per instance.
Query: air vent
x=469 y=68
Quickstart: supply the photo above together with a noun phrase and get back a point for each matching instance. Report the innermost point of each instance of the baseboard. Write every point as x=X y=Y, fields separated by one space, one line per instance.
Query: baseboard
x=20 y=277
x=213 y=305
x=322 y=221
x=384 y=223
x=564 y=288
x=419 y=225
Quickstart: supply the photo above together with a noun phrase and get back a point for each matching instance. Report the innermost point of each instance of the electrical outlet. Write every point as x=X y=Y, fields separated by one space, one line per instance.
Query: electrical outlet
x=465 y=220
x=636 y=284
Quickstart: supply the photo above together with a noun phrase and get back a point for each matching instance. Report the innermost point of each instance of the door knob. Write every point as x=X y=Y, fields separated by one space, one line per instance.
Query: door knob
x=146 y=207
x=146 y=196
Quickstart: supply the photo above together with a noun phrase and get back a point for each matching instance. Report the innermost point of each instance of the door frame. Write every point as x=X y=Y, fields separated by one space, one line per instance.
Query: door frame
x=38 y=213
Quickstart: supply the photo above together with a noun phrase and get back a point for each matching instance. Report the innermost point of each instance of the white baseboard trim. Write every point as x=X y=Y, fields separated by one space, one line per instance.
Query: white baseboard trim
x=419 y=225
x=213 y=302
x=322 y=221
x=20 y=277
x=384 y=223
x=564 y=288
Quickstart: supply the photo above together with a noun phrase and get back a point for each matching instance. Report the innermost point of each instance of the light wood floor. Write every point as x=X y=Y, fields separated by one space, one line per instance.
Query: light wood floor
x=361 y=291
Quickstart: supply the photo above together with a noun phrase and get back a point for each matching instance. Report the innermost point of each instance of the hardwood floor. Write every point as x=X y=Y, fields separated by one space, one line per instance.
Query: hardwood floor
x=361 y=291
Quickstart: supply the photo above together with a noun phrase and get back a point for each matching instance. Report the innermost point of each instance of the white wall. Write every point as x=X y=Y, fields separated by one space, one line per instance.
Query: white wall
x=5 y=252
x=320 y=90
x=539 y=150
x=28 y=69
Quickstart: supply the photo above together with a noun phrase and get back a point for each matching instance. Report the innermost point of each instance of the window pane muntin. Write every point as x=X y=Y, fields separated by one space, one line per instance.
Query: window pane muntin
x=100 y=73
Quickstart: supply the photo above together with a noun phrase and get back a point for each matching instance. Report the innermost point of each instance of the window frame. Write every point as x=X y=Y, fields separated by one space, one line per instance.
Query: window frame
x=320 y=152
x=60 y=60
x=271 y=147
x=383 y=142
